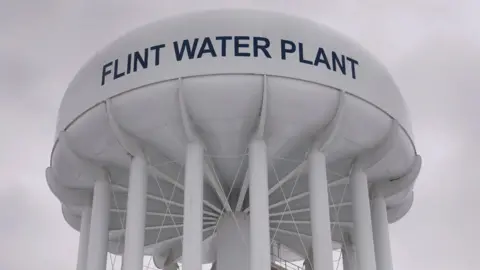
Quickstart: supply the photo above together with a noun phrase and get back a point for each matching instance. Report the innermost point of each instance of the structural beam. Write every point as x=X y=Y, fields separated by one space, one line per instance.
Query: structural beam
x=149 y=213
x=217 y=186
x=257 y=138
x=193 y=137
x=166 y=201
x=193 y=210
x=304 y=210
x=243 y=192
x=289 y=199
x=149 y=196
x=173 y=239
x=297 y=234
x=309 y=262
x=83 y=242
x=305 y=222
x=362 y=224
x=291 y=175
x=259 y=219
x=136 y=213
x=133 y=147
x=381 y=238
x=98 y=240
x=348 y=257
x=319 y=211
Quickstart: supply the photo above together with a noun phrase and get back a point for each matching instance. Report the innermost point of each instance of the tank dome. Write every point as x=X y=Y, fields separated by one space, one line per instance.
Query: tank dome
x=224 y=74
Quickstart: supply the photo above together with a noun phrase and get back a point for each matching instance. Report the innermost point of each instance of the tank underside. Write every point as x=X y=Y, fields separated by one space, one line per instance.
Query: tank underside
x=225 y=112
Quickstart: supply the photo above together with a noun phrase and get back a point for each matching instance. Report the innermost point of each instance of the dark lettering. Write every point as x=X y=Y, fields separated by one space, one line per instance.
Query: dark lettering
x=287 y=46
x=321 y=58
x=185 y=47
x=353 y=62
x=337 y=63
x=207 y=47
x=137 y=58
x=156 y=49
x=117 y=75
x=239 y=45
x=263 y=47
x=129 y=63
x=106 y=71
x=300 y=55
x=223 y=42
x=243 y=46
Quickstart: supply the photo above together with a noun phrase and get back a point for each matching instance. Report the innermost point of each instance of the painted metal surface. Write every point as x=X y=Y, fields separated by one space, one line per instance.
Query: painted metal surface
x=252 y=74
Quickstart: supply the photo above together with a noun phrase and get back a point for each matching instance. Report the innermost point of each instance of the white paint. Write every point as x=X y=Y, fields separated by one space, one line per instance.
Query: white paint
x=222 y=97
x=136 y=212
x=98 y=241
x=372 y=83
x=320 y=211
x=362 y=223
x=233 y=242
x=193 y=208
x=83 y=241
x=381 y=238
x=259 y=213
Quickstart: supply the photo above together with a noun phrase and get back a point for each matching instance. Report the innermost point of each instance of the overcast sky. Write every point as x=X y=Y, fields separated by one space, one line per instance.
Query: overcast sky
x=432 y=48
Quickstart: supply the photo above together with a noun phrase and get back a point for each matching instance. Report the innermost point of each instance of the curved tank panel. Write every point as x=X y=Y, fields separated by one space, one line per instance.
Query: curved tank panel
x=297 y=48
x=132 y=95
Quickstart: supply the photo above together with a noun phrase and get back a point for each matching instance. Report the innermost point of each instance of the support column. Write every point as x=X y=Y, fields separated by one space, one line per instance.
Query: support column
x=348 y=257
x=98 y=240
x=136 y=212
x=83 y=241
x=320 y=211
x=259 y=212
x=362 y=223
x=383 y=255
x=193 y=208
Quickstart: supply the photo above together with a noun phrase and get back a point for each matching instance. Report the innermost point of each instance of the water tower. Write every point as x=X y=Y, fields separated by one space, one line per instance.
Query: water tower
x=233 y=137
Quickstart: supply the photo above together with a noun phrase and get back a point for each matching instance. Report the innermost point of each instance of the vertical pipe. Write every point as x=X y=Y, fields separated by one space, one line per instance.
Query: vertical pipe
x=193 y=208
x=348 y=257
x=362 y=223
x=98 y=240
x=83 y=241
x=136 y=212
x=259 y=213
x=232 y=242
x=381 y=239
x=319 y=211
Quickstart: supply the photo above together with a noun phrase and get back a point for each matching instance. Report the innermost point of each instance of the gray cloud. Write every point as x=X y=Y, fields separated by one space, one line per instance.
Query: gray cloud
x=431 y=48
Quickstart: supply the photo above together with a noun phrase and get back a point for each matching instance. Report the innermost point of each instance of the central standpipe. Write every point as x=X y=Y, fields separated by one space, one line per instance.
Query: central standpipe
x=193 y=208
x=136 y=212
x=319 y=211
x=362 y=223
x=232 y=242
x=259 y=213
